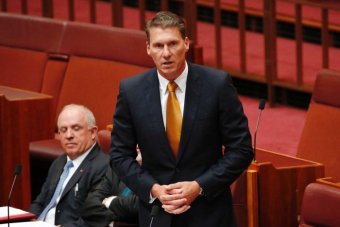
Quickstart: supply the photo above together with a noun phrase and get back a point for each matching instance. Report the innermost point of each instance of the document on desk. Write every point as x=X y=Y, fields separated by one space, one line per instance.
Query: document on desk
x=15 y=214
x=28 y=224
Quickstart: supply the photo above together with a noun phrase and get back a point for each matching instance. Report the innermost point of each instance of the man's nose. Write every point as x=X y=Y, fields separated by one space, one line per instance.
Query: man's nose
x=166 y=51
x=69 y=133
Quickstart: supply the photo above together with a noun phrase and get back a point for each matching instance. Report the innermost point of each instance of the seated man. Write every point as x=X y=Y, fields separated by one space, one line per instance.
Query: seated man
x=72 y=175
x=110 y=201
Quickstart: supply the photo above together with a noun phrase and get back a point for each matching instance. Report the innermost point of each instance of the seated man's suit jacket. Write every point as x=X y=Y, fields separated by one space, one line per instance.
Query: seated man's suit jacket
x=88 y=174
x=123 y=208
x=213 y=117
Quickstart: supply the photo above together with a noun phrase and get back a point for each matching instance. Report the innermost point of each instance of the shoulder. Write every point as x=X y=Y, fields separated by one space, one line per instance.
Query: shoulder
x=139 y=79
x=209 y=75
x=98 y=157
x=59 y=162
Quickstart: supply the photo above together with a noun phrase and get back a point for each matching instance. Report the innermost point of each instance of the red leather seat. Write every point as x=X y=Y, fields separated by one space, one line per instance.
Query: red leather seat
x=321 y=206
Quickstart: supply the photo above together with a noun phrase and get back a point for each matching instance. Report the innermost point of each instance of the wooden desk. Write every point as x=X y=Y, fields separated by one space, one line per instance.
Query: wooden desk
x=270 y=192
x=24 y=116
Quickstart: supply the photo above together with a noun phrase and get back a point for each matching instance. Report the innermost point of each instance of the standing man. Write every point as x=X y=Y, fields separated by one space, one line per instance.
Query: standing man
x=72 y=175
x=180 y=115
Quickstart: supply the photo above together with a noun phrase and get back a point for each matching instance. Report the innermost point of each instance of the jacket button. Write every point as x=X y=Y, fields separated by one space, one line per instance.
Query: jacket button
x=58 y=211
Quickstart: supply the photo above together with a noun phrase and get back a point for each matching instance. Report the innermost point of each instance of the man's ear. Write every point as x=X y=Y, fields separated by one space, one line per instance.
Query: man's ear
x=187 y=43
x=148 y=47
x=94 y=131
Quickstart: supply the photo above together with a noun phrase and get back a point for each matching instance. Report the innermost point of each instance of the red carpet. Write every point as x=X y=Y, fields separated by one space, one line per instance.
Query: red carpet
x=281 y=126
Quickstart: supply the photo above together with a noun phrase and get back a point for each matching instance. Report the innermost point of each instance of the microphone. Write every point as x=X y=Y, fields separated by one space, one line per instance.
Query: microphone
x=154 y=212
x=17 y=172
x=262 y=104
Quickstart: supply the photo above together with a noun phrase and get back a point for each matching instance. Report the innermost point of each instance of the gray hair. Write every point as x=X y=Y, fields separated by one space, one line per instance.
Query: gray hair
x=91 y=120
x=166 y=19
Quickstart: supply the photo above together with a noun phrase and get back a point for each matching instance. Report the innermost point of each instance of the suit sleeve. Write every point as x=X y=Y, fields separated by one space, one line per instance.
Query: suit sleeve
x=236 y=139
x=123 y=150
x=125 y=208
x=94 y=213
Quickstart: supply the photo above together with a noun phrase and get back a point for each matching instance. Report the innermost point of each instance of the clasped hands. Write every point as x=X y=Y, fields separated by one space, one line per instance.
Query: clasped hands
x=177 y=197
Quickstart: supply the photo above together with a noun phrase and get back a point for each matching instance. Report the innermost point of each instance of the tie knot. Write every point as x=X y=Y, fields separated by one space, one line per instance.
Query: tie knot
x=68 y=165
x=172 y=86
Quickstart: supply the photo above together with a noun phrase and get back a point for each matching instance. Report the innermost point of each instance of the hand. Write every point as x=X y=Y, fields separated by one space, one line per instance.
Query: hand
x=171 y=199
x=179 y=196
x=189 y=190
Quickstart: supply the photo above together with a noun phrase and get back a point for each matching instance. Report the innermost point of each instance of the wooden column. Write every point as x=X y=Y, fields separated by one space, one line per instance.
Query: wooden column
x=24 y=116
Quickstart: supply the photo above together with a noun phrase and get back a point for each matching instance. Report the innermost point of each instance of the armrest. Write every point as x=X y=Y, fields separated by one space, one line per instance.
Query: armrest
x=321 y=205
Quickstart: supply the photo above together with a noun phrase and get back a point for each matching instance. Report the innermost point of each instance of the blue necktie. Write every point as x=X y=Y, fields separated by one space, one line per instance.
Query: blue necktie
x=57 y=191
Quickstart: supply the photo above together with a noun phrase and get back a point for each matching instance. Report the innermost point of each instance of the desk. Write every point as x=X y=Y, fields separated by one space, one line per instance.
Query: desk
x=270 y=192
x=24 y=116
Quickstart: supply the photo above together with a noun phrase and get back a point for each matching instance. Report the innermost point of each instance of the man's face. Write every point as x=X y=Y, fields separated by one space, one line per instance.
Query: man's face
x=167 y=49
x=75 y=137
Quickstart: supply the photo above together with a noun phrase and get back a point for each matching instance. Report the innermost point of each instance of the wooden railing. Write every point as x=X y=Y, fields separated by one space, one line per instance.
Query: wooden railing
x=271 y=42
x=268 y=13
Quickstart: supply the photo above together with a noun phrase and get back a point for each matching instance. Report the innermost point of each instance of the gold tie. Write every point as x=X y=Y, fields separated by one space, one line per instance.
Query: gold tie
x=173 y=118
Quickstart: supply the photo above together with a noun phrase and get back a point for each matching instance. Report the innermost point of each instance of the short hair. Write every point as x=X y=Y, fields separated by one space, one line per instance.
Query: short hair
x=91 y=120
x=166 y=19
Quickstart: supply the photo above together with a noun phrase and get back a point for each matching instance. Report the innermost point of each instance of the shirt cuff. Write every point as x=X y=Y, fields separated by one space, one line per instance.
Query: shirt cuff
x=107 y=201
x=152 y=199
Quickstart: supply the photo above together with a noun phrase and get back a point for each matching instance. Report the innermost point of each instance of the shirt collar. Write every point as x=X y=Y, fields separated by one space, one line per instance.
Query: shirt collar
x=80 y=159
x=180 y=81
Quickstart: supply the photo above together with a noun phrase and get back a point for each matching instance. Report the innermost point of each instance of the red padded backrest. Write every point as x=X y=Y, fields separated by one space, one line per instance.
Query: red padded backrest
x=326 y=88
x=320 y=136
x=104 y=42
x=321 y=205
x=21 y=68
x=30 y=32
x=53 y=80
x=25 y=42
x=104 y=140
x=95 y=83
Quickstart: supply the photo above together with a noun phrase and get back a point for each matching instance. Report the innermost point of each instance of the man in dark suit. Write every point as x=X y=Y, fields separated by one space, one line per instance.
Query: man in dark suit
x=73 y=174
x=110 y=201
x=180 y=115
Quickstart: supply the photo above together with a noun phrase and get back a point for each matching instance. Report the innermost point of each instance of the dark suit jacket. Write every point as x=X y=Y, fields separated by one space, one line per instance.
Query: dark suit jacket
x=89 y=173
x=123 y=208
x=213 y=116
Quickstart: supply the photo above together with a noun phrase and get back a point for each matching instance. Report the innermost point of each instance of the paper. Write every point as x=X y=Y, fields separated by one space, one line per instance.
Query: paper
x=28 y=224
x=15 y=214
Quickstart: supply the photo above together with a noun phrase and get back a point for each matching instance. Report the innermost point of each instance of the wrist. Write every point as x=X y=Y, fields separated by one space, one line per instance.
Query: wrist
x=155 y=190
x=200 y=191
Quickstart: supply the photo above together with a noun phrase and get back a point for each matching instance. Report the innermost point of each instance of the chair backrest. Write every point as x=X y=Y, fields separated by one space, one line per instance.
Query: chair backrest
x=25 y=44
x=104 y=42
x=320 y=206
x=320 y=138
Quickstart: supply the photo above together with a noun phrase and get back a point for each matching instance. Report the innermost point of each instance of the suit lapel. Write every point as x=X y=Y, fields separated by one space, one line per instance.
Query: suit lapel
x=80 y=171
x=192 y=96
x=152 y=97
